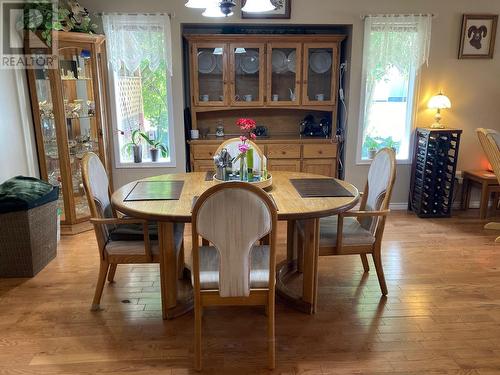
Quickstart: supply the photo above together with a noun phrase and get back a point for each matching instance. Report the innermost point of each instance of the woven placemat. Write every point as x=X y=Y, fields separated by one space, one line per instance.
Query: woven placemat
x=319 y=187
x=155 y=191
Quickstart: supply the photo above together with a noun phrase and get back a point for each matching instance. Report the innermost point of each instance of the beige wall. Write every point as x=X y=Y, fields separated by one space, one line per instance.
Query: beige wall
x=473 y=86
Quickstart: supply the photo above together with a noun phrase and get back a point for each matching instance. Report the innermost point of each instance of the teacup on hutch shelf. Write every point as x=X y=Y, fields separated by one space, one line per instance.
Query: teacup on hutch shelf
x=320 y=97
x=204 y=98
x=248 y=98
x=276 y=98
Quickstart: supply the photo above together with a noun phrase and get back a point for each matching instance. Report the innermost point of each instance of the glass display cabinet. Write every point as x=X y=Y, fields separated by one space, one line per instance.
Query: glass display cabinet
x=247 y=74
x=283 y=74
x=68 y=104
x=319 y=74
x=210 y=66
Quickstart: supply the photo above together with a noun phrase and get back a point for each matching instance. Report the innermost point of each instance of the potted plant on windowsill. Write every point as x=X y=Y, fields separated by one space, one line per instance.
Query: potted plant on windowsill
x=135 y=144
x=372 y=146
x=391 y=143
x=155 y=147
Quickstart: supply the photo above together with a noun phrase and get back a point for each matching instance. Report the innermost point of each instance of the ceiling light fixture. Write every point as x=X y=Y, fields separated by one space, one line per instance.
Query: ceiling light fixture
x=258 y=6
x=226 y=7
x=215 y=11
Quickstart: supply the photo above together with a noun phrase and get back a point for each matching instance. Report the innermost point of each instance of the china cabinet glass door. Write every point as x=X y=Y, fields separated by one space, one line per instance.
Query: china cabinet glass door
x=82 y=130
x=320 y=74
x=47 y=135
x=283 y=74
x=247 y=74
x=210 y=63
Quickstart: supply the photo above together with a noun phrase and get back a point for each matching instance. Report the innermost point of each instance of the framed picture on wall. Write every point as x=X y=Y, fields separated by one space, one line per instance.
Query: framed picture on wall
x=478 y=36
x=283 y=10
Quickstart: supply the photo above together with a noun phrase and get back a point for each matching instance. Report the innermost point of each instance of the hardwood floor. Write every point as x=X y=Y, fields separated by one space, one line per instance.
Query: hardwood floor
x=442 y=314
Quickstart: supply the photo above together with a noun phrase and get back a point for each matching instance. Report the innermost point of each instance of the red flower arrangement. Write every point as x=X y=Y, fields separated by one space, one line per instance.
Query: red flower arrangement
x=246 y=126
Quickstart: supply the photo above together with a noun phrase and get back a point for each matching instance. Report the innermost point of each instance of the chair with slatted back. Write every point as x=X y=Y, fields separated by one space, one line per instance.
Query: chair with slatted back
x=120 y=240
x=235 y=270
x=361 y=231
x=490 y=141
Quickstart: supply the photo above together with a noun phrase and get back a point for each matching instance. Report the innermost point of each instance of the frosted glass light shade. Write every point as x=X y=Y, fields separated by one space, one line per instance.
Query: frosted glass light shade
x=240 y=50
x=198 y=4
x=218 y=51
x=439 y=101
x=258 y=6
x=214 y=11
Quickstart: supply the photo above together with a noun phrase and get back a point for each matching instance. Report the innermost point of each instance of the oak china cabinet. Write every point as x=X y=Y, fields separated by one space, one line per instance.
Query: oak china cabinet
x=69 y=112
x=276 y=80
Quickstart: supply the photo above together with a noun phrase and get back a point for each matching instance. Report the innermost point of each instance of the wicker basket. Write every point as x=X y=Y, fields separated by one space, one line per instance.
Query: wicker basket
x=28 y=240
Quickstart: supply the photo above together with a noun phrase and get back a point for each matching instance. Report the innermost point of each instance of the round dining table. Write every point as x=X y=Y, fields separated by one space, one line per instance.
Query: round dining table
x=291 y=206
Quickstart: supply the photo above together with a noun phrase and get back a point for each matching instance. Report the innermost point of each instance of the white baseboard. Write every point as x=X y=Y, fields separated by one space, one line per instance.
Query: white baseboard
x=398 y=206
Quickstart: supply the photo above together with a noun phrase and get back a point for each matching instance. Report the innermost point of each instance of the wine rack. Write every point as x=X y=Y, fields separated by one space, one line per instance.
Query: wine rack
x=433 y=172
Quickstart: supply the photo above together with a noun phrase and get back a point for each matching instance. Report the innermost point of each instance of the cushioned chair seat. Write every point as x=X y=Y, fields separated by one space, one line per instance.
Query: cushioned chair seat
x=134 y=232
x=353 y=233
x=209 y=267
x=130 y=247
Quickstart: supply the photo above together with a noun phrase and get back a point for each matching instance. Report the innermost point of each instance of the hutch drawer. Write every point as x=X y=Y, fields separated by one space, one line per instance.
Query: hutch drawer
x=320 y=151
x=283 y=151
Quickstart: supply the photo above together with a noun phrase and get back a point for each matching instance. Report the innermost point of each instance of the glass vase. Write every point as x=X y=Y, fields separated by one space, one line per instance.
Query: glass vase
x=250 y=164
x=243 y=168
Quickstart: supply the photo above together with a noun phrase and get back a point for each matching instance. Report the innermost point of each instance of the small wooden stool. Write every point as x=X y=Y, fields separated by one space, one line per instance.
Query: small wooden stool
x=489 y=184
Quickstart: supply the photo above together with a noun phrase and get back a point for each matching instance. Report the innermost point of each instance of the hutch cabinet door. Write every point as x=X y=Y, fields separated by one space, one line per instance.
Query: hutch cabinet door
x=82 y=119
x=47 y=132
x=324 y=167
x=203 y=166
x=320 y=74
x=209 y=67
x=286 y=165
x=284 y=63
x=247 y=74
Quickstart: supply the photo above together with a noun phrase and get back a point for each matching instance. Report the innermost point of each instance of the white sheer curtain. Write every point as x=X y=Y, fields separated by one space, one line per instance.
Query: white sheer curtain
x=132 y=39
x=392 y=42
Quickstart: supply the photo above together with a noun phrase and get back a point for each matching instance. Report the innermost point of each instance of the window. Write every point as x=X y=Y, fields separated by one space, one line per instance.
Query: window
x=140 y=62
x=395 y=47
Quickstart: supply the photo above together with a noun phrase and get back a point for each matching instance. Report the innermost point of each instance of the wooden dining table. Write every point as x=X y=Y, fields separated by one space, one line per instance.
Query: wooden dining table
x=176 y=295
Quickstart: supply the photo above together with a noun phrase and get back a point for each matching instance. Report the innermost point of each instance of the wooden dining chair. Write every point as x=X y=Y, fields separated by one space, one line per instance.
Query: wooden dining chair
x=233 y=216
x=360 y=232
x=231 y=145
x=490 y=141
x=121 y=240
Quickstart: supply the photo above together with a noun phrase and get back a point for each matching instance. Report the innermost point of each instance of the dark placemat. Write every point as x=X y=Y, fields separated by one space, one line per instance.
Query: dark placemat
x=155 y=191
x=319 y=187
x=209 y=176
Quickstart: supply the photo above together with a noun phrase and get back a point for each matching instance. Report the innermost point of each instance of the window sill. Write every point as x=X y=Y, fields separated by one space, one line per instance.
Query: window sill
x=398 y=162
x=146 y=164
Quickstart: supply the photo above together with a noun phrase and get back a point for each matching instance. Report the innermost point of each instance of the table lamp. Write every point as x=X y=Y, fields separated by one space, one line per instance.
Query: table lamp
x=439 y=102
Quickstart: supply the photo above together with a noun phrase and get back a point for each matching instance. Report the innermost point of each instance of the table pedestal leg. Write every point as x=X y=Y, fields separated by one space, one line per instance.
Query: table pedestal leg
x=287 y=272
x=172 y=304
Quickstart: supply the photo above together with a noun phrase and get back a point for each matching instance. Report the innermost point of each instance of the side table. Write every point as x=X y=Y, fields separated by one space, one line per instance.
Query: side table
x=488 y=183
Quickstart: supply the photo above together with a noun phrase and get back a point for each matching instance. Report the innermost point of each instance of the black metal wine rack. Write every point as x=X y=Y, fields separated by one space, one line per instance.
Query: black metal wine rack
x=433 y=172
